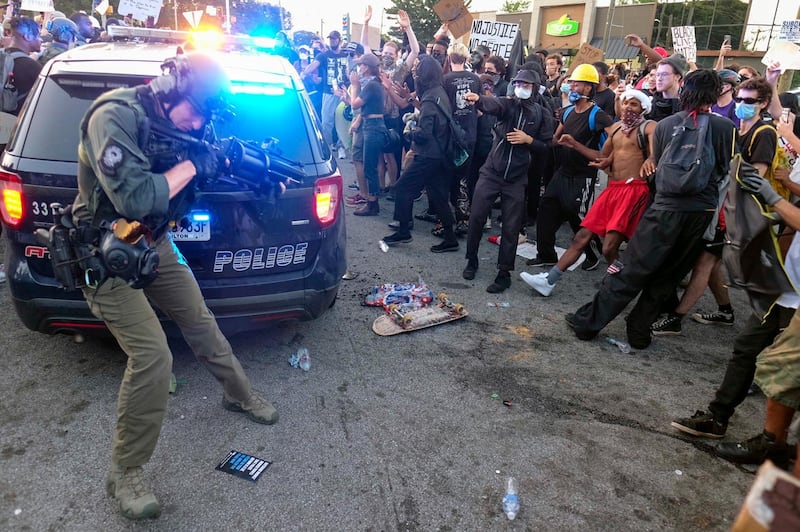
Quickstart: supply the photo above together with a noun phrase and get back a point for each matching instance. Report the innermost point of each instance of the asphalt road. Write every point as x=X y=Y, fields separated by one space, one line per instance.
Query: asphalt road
x=397 y=433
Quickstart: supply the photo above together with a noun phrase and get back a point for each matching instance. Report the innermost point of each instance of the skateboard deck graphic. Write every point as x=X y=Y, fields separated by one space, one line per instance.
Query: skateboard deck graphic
x=397 y=321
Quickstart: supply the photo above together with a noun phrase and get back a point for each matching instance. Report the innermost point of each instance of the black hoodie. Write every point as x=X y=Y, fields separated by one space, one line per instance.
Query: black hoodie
x=431 y=134
x=511 y=161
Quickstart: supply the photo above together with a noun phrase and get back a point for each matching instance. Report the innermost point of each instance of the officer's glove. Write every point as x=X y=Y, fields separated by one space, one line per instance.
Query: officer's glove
x=760 y=187
x=206 y=161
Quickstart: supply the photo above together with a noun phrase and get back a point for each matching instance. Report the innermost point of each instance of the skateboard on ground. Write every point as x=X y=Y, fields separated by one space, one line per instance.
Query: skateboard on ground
x=398 y=320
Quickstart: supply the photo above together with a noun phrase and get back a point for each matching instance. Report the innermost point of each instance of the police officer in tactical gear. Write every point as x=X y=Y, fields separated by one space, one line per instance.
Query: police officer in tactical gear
x=119 y=179
x=64 y=33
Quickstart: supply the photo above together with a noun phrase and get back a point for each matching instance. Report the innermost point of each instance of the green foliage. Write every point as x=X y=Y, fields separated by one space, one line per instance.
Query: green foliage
x=423 y=19
x=515 y=6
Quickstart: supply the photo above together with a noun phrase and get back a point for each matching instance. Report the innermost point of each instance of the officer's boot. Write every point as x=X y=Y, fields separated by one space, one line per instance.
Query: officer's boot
x=127 y=485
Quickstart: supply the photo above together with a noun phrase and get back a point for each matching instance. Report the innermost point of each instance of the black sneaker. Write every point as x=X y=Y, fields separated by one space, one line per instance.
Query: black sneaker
x=756 y=450
x=462 y=228
x=501 y=283
x=592 y=259
x=445 y=245
x=397 y=238
x=702 y=424
x=438 y=230
x=427 y=217
x=719 y=317
x=667 y=325
x=538 y=261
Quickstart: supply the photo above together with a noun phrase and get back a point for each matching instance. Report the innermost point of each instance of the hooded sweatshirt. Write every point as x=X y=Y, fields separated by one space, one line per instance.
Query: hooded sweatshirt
x=430 y=136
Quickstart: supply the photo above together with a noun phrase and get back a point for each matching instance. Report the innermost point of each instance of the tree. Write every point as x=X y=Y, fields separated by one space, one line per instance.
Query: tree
x=423 y=18
x=515 y=6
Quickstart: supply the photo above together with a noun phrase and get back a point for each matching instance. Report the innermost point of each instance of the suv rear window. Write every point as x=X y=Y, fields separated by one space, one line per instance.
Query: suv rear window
x=261 y=114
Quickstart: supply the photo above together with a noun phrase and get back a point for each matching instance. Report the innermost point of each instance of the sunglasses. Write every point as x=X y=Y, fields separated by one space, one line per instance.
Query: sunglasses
x=748 y=101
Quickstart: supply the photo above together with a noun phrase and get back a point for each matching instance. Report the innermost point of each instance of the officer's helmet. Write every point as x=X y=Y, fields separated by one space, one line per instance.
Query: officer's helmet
x=195 y=77
x=62 y=29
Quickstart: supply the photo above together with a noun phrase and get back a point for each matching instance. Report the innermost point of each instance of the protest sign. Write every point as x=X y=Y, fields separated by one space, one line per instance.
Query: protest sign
x=37 y=5
x=140 y=9
x=790 y=31
x=785 y=53
x=684 y=42
x=456 y=15
x=586 y=54
x=497 y=36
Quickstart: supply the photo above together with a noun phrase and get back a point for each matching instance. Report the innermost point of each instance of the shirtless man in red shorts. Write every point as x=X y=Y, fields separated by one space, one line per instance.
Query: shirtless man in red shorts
x=616 y=212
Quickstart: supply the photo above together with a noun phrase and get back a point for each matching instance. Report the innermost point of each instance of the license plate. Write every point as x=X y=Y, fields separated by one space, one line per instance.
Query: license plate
x=193 y=232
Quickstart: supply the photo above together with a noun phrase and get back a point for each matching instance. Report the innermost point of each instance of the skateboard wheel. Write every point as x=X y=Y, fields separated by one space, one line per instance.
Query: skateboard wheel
x=442 y=297
x=406 y=320
x=459 y=309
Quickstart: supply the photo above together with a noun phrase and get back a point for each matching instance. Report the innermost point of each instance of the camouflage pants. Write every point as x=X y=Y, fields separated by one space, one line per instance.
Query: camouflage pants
x=778 y=366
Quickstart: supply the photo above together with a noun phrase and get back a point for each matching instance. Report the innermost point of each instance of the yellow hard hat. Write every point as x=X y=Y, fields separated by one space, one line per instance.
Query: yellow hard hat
x=585 y=72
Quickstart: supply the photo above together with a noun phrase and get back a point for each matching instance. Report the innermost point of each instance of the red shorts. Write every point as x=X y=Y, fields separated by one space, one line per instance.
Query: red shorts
x=618 y=208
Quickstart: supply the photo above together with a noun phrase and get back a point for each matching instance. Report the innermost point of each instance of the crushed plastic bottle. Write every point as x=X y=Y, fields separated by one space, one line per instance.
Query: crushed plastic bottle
x=511 y=499
x=383 y=245
x=625 y=348
x=301 y=359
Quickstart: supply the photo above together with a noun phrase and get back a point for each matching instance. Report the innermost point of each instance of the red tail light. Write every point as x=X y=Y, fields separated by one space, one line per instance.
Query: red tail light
x=327 y=195
x=12 y=202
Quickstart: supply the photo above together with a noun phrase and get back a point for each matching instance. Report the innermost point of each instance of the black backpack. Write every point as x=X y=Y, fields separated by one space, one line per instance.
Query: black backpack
x=10 y=96
x=455 y=150
x=688 y=161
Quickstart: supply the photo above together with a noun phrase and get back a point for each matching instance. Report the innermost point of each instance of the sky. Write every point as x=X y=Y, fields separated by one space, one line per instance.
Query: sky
x=313 y=15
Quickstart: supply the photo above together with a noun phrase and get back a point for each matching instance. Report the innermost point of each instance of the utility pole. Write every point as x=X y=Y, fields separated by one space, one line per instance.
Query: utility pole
x=609 y=22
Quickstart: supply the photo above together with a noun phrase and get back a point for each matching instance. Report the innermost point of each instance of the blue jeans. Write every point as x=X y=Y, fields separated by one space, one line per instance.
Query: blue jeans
x=374 y=131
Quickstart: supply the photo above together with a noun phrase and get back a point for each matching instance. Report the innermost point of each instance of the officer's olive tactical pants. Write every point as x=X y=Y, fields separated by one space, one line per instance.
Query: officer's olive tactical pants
x=145 y=386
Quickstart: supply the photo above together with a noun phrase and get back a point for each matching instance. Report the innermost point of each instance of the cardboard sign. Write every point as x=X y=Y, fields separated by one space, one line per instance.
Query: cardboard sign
x=785 y=53
x=790 y=31
x=586 y=54
x=457 y=16
x=37 y=5
x=140 y=9
x=498 y=36
x=684 y=42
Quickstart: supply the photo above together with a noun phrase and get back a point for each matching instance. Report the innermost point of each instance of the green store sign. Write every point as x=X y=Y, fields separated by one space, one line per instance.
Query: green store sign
x=562 y=27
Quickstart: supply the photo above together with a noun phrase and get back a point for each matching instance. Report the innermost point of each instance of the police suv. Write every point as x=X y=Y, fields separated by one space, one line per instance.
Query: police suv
x=255 y=257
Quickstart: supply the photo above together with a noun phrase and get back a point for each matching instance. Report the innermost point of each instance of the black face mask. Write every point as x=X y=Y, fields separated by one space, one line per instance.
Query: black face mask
x=439 y=58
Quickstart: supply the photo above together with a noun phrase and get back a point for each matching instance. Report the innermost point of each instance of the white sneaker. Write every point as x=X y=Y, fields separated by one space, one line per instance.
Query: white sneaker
x=538 y=282
x=342 y=153
x=488 y=225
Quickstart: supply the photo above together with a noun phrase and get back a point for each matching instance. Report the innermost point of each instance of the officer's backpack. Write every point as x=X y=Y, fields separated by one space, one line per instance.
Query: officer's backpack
x=592 y=123
x=9 y=96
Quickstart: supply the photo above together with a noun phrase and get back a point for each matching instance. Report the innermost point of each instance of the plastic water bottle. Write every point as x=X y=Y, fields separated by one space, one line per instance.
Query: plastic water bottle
x=303 y=359
x=511 y=500
x=625 y=348
x=383 y=245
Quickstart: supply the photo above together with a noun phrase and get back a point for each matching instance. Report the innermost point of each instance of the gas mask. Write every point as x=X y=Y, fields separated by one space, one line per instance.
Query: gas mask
x=127 y=253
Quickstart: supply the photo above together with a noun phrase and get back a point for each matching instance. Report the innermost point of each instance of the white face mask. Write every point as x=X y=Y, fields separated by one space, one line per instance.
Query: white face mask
x=522 y=93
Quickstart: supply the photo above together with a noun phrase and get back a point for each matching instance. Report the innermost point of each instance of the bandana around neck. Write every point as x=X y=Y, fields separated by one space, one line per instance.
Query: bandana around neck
x=631 y=120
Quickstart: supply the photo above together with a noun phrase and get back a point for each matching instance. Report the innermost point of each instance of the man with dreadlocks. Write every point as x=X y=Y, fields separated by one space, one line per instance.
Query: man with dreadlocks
x=616 y=212
x=669 y=236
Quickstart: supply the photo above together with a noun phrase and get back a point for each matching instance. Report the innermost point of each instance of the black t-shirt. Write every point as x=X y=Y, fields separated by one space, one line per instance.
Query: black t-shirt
x=722 y=137
x=663 y=107
x=333 y=69
x=759 y=148
x=372 y=95
x=572 y=163
x=456 y=85
x=605 y=101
